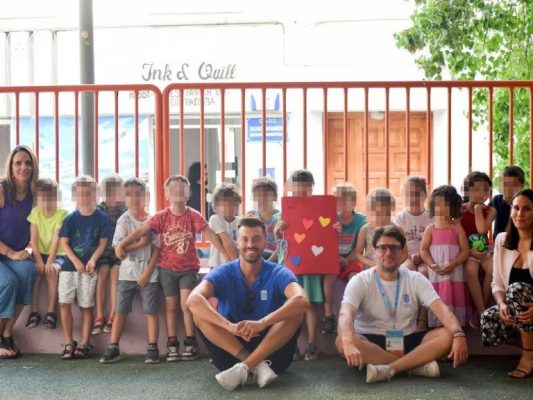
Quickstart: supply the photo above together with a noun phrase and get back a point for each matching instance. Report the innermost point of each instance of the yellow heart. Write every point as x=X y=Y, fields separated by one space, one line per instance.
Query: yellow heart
x=324 y=221
x=299 y=237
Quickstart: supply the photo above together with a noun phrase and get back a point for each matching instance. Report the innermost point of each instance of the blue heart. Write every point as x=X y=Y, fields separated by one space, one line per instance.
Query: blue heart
x=296 y=260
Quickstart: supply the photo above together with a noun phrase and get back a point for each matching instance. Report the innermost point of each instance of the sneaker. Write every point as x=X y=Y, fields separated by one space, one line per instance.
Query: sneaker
x=430 y=370
x=376 y=373
x=311 y=352
x=264 y=374
x=233 y=377
x=152 y=354
x=111 y=355
x=173 y=352
x=191 y=351
x=329 y=325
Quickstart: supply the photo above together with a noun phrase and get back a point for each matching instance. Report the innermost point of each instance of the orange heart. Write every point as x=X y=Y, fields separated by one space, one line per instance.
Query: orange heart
x=324 y=221
x=299 y=237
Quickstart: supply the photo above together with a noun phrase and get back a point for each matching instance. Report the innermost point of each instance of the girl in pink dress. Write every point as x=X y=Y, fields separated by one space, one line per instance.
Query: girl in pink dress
x=444 y=249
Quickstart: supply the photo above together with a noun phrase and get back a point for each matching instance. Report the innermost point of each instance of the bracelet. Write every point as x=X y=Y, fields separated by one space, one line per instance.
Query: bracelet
x=458 y=336
x=458 y=330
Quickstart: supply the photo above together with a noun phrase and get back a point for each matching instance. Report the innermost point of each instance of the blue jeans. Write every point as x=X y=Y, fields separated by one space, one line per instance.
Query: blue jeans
x=16 y=284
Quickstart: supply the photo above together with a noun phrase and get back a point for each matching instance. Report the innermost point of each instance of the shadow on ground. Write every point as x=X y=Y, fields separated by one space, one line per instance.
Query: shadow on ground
x=46 y=376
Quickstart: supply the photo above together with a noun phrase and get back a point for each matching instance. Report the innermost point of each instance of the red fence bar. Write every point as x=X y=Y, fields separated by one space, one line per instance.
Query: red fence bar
x=365 y=138
x=37 y=124
x=491 y=128
x=428 y=133
x=136 y=116
x=17 y=117
x=305 y=126
x=284 y=133
x=511 y=126
x=449 y=136
x=116 y=133
x=469 y=129
x=76 y=133
x=407 y=131
x=387 y=131
x=345 y=125
x=56 y=130
x=243 y=148
x=264 y=131
x=223 y=134
x=181 y=133
x=202 y=153
x=96 y=134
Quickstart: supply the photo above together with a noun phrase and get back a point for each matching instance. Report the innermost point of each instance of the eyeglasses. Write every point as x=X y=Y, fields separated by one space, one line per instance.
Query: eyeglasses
x=393 y=248
x=250 y=297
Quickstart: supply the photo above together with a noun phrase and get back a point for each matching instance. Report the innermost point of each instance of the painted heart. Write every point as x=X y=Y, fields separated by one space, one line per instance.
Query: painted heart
x=324 y=221
x=308 y=223
x=296 y=260
x=317 y=250
x=299 y=237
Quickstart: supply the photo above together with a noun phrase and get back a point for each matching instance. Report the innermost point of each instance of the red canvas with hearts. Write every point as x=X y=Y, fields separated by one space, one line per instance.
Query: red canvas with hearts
x=312 y=242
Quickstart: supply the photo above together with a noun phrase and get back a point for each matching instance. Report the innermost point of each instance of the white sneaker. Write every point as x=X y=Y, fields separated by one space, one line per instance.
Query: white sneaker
x=233 y=377
x=264 y=374
x=430 y=370
x=376 y=373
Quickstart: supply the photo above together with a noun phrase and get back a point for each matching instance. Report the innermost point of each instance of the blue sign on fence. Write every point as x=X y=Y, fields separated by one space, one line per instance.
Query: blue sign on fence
x=274 y=129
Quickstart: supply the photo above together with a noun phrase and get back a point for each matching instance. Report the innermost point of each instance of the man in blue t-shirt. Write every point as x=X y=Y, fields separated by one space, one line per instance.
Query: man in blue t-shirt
x=260 y=312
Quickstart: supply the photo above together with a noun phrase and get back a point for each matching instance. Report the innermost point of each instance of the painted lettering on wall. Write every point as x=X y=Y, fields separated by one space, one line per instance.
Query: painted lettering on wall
x=184 y=72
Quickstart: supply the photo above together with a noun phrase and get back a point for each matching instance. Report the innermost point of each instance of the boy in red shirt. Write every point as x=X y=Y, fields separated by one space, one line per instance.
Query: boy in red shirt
x=178 y=260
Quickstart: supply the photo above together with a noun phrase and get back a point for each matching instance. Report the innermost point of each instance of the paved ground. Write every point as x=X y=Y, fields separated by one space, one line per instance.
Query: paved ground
x=46 y=376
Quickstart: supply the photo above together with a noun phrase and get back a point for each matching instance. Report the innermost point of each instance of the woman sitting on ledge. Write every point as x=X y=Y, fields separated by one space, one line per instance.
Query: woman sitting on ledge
x=512 y=286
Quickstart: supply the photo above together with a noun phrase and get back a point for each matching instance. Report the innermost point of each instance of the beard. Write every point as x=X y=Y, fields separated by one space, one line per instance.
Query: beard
x=252 y=258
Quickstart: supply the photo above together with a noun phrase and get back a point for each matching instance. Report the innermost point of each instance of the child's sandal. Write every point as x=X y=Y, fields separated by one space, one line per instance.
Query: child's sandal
x=98 y=326
x=109 y=325
x=82 y=351
x=68 y=350
x=34 y=319
x=50 y=320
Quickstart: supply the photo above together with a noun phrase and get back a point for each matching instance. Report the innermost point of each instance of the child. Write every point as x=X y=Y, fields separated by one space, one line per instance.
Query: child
x=476 y=220
x=301 y=184
x=178 y=261
x=265 y=195
x=380 y=204
x=512 y=181
x=107 y=265
x=444 y=249
x=226 y=201
x=137 y=273
x=349 y=223
x=84 y=237
x=46 y=220
x=414 y=219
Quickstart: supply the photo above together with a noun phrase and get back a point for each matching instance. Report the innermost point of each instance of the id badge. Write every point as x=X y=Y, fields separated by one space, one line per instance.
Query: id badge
x=394 y=342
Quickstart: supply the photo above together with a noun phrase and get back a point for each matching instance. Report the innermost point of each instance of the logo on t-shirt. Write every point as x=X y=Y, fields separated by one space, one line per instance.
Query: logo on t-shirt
x=406 y=299
x=264 y=295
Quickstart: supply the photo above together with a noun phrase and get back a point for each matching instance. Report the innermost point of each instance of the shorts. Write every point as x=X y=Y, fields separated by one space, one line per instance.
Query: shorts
x=149 y=296
x=58 y=262
x=74 y=285
x=410 y=342
x=281 y=359
x=352 y=268
x=108 y=258
x=172 y=282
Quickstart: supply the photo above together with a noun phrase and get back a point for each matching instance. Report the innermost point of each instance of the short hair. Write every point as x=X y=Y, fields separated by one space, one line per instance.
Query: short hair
x=226 y=191
x=265 y=183
x=450 y=196
x=83 y=181
x=516 y=172
x=252 y=222
x=176 y=178
x=111 y=180
x=135 y=182
x=302 y=175
x=512 y=238
x=471 y=179
x=388 y=231
x=346 y=188
x=383 y=196
x=418 y=182
x=46 y=185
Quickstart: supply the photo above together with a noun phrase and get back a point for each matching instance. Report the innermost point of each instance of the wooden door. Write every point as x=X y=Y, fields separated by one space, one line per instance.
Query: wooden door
x=377 y=151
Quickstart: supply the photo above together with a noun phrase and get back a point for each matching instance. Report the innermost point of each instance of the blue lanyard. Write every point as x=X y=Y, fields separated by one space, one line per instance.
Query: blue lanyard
x=385 y=298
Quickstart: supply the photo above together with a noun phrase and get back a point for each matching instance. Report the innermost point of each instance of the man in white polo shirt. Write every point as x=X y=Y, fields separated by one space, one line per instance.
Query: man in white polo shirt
x=377 y=320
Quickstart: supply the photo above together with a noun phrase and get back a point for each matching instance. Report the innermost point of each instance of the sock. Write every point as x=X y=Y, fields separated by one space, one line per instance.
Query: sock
x=193 y=338
x=172 y=339
x=152 y=344
x=114 y=344
x=243 y=354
